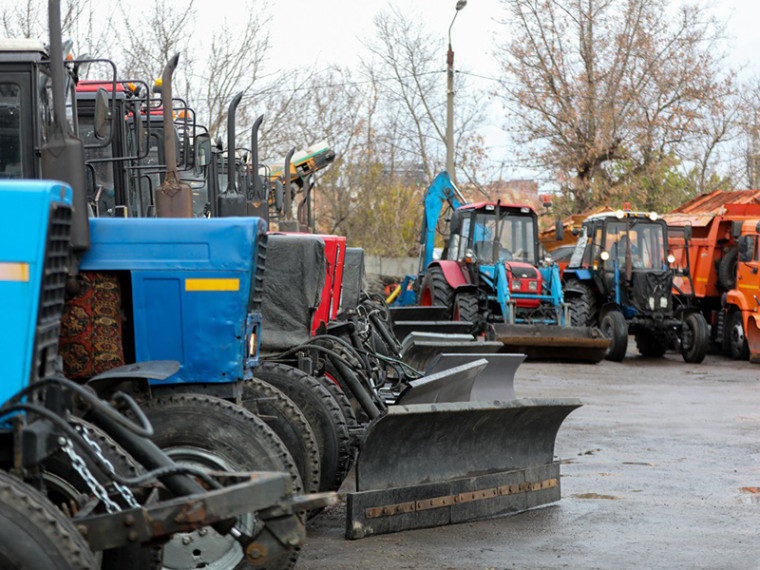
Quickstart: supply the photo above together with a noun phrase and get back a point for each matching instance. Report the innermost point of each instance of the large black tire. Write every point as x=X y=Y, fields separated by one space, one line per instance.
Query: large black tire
x=737 y=340
x=651 y=345
x=695 y=338
x=35 y=534
x=582 y=302
x=727 y=269
x=282 y=415
x=210 y=432
x=466 y=308
x=435 y=290
x=323 y=414
x=615 y=328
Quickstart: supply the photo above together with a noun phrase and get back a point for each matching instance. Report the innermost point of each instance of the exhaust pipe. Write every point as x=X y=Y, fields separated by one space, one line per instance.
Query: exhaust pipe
x=63 y=153
x=232 y=202
x=174 y=198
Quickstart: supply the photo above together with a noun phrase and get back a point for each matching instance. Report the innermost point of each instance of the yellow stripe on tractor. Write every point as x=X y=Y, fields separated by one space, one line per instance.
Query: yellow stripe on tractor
x=212 y=284
x=10 y=271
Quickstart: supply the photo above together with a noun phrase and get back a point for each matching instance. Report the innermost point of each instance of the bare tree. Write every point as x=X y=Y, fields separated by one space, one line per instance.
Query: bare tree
x=609 y=93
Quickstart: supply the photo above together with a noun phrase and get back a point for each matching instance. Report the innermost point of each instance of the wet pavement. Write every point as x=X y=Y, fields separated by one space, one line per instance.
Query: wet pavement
x=660 y=469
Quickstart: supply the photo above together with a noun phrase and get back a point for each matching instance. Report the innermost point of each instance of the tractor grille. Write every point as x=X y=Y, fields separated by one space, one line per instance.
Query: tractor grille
x=54 y=274
x=652 y=292
x=257 y=279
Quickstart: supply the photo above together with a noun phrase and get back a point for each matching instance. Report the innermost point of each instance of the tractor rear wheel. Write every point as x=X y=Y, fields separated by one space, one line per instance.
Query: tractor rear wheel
x=282 y=415
x=212 y=433
x=435 y=290
x=466 y=308
x=615 y=328
x=694 y=338
x=651 y=345
x=737 y=341
x=323 y=414
x=36 y=535
x=582 y=301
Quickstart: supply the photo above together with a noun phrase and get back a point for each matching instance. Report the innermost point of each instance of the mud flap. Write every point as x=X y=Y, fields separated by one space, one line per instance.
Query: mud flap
x=496 y=382
x=752 y=334
x=418 y=349
x=552 y=342
x=429 y=465
x=452 y=384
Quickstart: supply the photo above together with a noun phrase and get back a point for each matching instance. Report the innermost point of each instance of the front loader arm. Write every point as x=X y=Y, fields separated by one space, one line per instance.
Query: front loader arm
x=441 y=191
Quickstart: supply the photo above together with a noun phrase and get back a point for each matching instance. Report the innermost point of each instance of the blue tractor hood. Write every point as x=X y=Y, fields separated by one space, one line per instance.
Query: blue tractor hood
x=191 y=289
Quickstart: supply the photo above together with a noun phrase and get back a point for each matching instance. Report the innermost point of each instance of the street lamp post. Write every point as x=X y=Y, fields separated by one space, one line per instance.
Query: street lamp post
x=450 y=98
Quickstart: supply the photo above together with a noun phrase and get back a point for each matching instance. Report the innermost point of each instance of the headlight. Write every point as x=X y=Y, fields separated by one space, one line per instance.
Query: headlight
x=663 y=302
x=516 y=284
x=651 y=303
x=653 y=216
x=620 y=214
x=252 y=344
x=532 y=285
x=604 y=255
x=671 y=258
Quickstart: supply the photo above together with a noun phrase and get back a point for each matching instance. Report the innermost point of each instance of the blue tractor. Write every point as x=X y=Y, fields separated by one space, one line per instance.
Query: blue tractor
x=619 y=278
x=253 y=523
x=490 y=273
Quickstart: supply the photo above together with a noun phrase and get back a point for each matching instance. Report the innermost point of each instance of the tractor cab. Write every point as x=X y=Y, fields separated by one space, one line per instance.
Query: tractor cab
x=26 y=106
x=627 y=252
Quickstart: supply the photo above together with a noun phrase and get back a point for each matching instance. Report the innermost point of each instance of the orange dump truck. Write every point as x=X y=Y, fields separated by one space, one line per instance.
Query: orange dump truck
x=707 y=237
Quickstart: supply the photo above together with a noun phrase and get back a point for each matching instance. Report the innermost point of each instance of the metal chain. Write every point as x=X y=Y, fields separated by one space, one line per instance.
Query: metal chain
x=81 y=467
x=124 y=491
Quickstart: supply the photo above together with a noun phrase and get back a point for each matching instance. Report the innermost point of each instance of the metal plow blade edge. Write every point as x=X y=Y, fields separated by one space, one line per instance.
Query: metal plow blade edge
x=551 y=342
x=430 y=465
x=420 y=348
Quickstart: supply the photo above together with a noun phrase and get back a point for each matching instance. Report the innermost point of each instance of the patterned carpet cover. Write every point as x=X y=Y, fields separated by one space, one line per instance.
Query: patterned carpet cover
x=91 y=335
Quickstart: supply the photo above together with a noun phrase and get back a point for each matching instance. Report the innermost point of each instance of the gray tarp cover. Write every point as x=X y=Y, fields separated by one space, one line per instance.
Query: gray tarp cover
x=353 y=278
x=293 y=282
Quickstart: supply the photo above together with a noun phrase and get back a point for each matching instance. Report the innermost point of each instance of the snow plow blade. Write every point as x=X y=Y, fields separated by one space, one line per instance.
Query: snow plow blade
x=551 y=342
x=496 y=382
x=401 y=329
x=451 y=384
x=419 y=349
x=455 y=462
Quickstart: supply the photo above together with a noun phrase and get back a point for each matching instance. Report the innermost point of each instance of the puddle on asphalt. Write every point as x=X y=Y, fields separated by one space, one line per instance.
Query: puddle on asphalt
x=644 y=463
x=596 y=496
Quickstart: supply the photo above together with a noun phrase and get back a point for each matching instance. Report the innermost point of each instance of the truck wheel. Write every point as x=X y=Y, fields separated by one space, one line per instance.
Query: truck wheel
x=651 y=345
x=466 y=308
x=323 y=414
x=435 y=289
x=727 y=269
x=694 y=338
x=212 y=433
x=282 y=415
x=582 y=303
x=615 y=328
x=36 y=535
x=737 y=341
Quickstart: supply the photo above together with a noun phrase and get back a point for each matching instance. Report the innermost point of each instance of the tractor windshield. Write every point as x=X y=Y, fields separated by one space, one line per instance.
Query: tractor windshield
x=10 y=131
x=643 y=241
x=515 y=234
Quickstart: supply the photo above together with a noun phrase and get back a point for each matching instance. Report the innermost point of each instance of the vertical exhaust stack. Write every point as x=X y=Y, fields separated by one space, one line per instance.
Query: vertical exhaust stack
x=258 y=203
x=288 y=224
x=63 y=153
x=174 y=198
x=231 y=202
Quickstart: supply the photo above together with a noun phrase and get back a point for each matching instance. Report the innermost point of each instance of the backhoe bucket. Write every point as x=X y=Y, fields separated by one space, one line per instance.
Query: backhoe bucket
x=418 y=349
x=551 y=342
x=428 y=465
x=496 y=382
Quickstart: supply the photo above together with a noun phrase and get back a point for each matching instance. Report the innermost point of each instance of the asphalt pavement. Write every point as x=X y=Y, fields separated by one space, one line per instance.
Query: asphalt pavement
x=660 y=469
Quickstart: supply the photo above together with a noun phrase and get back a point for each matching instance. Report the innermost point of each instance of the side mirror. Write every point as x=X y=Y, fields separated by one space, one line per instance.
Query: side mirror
x=559 y=231
x=102 y=114
x=687 y=233
x=455 y=222
x=202 y=150
x=575 y=231
x=736 y=228
x=746 y=248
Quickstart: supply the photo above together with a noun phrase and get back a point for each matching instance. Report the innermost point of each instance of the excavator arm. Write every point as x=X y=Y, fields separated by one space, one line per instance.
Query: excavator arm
x=442 y=191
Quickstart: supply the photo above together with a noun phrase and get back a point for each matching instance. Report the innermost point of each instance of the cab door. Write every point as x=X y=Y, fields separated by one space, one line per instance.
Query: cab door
x=747 y=278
